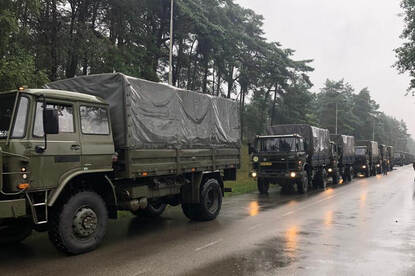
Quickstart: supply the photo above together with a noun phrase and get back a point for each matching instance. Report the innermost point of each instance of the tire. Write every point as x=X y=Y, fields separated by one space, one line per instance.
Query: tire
x=68 y=231
x=210 y=202
x=350 y=174
x=335 y=179
x=15 y=231
x=302 y=185
x=322 y=181
x=263 y=186
x=154 y=209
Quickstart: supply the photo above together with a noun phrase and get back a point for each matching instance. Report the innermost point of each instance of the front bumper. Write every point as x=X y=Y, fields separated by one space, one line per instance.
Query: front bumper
x=278 y=175
x=12 y=208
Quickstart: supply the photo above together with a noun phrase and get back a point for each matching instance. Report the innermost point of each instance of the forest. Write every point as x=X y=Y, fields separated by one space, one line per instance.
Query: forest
x=219 y=49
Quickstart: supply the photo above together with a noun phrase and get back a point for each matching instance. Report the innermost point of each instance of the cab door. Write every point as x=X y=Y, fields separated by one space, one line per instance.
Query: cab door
x=96 y=137
x=62 y=157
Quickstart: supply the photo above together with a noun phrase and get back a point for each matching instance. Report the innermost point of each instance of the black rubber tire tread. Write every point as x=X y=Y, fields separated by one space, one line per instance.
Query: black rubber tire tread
x=263 y=186
x=336 y=179
x=323 y=180
x=199 y=211
x=59 y=232
x=150 y=211
x=17 y=231
x=191 y=211
x=302 y=185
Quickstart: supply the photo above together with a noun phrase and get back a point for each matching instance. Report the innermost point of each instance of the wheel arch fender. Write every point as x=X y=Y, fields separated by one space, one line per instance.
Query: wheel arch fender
x=96 y=180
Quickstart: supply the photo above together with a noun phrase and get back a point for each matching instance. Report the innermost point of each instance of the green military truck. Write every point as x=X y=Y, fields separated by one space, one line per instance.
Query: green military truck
x=367 y=161
x=390 y=157
x=292 y=156
x=345 y=148
x=383 y=158
x=70 y=160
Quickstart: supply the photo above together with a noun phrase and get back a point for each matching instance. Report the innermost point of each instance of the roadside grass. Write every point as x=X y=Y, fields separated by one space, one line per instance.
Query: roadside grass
x=244 y=183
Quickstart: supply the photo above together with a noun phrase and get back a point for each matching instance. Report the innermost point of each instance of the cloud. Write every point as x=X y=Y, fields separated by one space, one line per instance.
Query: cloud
x=350 y=39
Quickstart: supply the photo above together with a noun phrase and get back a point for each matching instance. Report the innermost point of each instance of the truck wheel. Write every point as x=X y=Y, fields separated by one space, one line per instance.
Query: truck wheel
x=210 y=202
x=15 y=231
x=350 y=174
x=79 y=224
x=336 y=179
x=302 y=185
x=263 y=186
x=154 y=209
x=323 y=180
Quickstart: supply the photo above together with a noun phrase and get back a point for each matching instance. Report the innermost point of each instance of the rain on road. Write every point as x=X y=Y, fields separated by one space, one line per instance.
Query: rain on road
x=365 y=227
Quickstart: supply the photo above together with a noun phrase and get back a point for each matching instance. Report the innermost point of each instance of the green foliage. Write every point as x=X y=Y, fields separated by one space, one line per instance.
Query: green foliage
x=219 y=49
x=19 y=69
x=406 y=53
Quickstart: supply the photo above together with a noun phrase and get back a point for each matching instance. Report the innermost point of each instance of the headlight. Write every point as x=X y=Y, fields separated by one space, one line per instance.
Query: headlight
x=378 y=165
x=255 y=158
x=330 y=170
x=293 y=174
x=24 y=176
x=254 y=174
x=23 y=169
x=364 y=167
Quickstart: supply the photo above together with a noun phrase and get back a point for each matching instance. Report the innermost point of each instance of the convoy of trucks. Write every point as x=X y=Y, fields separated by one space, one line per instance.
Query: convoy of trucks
x=74 y=154
x=299 y=157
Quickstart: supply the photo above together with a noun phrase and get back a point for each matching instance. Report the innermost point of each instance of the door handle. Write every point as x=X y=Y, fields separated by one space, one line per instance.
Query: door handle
x=75 y=147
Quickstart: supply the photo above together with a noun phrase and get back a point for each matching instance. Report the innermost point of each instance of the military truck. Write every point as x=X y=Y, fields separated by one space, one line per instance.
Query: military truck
x=367 y=161
x=333 y=170
x=292 y=156
x=389 y=157
x=383 y=158
x=345 y=147
x=70 y=160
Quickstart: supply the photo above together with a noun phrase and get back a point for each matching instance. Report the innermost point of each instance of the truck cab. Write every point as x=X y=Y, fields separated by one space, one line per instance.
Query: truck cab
x=280 y=159
x=362 y=164
x=34 y=166
x=333 y=169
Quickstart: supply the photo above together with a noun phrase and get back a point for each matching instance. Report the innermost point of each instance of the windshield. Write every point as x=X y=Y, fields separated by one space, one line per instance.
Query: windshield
x=286 y=144
x=6 y=109
x=360 y=151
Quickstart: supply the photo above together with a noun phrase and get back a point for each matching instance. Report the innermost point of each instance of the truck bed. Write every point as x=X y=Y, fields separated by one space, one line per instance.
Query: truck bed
x=139 y=163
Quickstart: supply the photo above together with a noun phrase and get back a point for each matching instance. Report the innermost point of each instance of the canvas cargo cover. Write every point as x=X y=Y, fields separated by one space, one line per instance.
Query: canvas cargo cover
x=149 y=115
x=347 y=144
x=371 y=145
x=316 y=139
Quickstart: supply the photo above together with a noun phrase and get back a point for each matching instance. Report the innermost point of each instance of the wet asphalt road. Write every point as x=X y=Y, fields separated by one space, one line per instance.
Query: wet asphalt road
x=366 y=227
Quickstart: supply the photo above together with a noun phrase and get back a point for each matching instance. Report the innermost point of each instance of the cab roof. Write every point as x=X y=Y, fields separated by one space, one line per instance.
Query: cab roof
x=61 y=95
x=280 y=136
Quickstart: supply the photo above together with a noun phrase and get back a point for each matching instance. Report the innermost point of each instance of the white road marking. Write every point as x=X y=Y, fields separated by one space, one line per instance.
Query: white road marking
x=208 y=245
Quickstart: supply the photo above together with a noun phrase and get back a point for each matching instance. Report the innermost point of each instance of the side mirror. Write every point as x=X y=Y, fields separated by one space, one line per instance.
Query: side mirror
x=50 y=121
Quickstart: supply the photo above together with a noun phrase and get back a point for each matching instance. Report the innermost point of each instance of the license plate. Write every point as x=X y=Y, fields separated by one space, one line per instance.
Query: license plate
x=266 y=164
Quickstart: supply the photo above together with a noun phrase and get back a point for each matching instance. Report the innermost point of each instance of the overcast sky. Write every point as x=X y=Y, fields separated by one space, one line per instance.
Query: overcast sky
x=350 y=39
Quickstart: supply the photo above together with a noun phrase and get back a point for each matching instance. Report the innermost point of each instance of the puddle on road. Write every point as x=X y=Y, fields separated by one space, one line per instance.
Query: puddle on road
x=266 y=258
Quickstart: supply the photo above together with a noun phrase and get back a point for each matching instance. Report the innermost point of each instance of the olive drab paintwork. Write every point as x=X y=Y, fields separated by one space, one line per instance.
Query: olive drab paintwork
x=33 y=179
